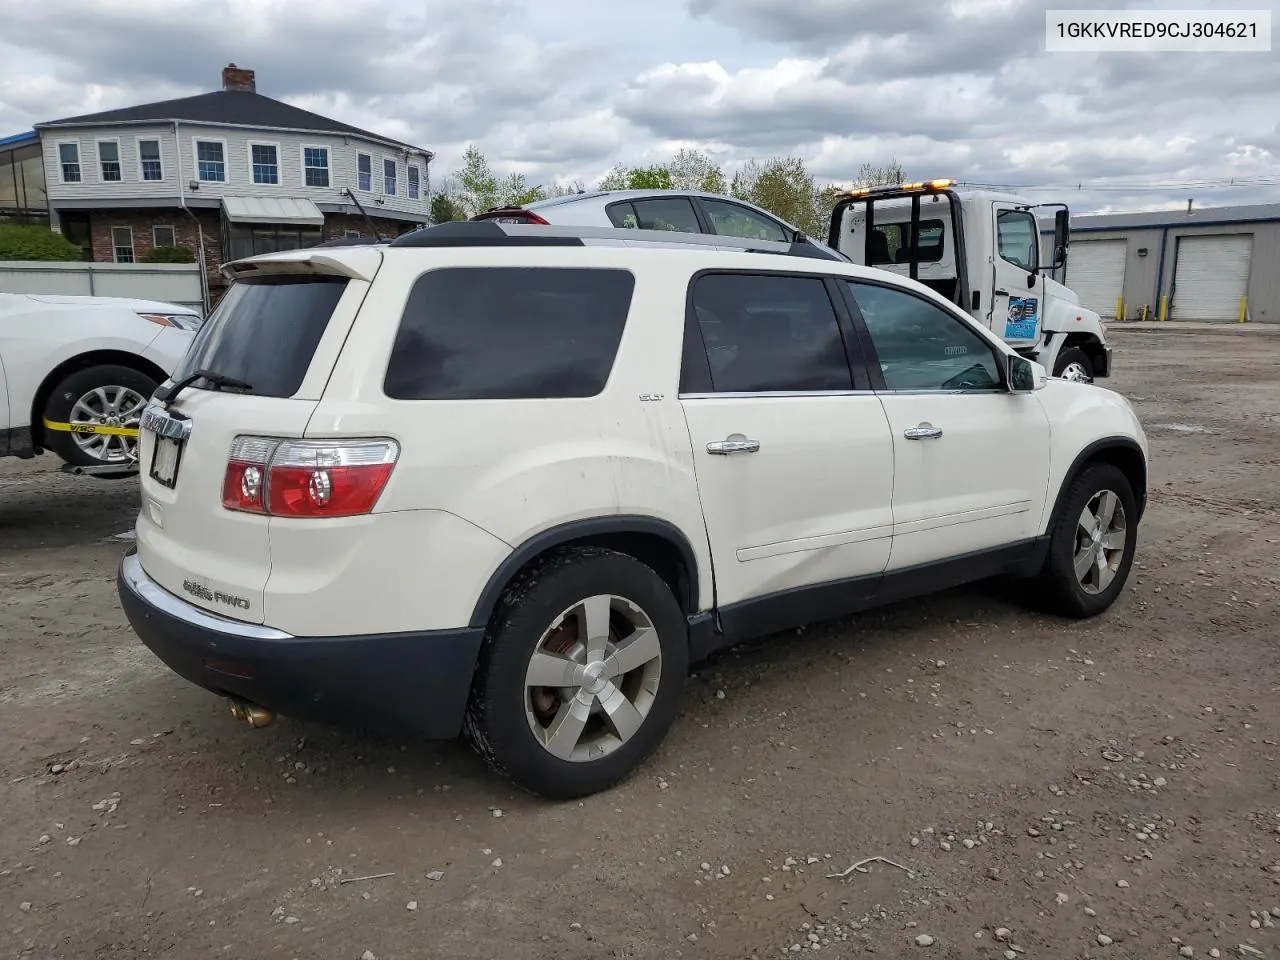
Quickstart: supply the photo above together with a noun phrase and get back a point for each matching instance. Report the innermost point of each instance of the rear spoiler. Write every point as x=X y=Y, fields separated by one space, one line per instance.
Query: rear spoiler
x=354 y=263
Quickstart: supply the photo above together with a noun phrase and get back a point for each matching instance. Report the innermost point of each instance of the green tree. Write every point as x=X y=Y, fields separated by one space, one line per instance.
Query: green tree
x=31 y=242
x=784 y=187
x=477 y=189
x=881 y=174
x=570 y=189
x=694 y=170
x=515 y=191
x=445 y=207
x=622 y=177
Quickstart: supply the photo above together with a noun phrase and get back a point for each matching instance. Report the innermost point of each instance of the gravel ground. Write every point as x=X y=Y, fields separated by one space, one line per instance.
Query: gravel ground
x=1036 y=788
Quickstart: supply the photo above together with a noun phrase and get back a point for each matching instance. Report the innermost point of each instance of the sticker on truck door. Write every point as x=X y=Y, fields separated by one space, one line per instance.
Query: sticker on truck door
x=1023 y=319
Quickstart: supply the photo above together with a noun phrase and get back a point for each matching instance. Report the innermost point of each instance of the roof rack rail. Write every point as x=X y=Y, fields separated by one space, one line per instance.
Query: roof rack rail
x=487 y=233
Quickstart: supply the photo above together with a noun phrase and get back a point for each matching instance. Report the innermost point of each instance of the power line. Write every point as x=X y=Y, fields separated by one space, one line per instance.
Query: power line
x=1132 y=185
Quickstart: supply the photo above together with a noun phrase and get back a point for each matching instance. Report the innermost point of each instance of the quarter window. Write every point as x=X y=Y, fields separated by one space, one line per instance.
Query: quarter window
x=265 y=162
x=109 y=160
x=732 y=220
x=211 y=161
x=149 y=158
x=509 y=332
x=69 y=159
x=315 y=166
x=764 y=334
x=1017 y=237
x=922 y=347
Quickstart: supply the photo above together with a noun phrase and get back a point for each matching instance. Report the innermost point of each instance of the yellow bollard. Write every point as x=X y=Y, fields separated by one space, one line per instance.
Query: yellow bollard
x=1164 y=308
x=1244 y=310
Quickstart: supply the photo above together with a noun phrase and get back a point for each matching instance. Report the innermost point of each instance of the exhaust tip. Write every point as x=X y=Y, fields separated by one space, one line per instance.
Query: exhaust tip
x=252 y=714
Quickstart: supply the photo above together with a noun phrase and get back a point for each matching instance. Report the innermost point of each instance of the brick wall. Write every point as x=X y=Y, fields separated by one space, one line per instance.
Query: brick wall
x=336 y=226
x=141 y=221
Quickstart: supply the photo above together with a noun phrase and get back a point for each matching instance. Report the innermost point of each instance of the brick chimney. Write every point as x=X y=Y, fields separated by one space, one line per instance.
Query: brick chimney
x=237 y=78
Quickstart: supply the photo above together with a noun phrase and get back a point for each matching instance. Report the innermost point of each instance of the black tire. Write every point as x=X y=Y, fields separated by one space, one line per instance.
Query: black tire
x=1073 y=355
x=497 y=723
x=1061 y=590
x=62 y=400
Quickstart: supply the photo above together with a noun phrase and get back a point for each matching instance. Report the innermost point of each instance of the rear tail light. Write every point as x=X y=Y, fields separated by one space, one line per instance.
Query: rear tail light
x=307 y=478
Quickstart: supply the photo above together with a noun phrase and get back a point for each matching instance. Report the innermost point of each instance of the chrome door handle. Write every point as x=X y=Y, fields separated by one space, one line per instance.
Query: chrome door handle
x=735 y=444
x=926 y=431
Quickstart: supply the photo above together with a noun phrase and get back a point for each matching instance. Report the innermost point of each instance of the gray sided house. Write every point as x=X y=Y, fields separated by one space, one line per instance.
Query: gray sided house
x=1206 y=263
x=225 y=174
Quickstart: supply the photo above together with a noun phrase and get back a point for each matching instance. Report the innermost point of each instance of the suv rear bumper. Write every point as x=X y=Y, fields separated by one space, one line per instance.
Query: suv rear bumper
x=398 y=683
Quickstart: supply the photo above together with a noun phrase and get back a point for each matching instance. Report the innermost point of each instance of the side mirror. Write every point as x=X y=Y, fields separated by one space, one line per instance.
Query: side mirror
x=1025 y=376
x=1061 y=236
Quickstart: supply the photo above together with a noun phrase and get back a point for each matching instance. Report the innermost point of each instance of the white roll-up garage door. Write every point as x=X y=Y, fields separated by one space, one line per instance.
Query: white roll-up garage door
x=1095 y=271
x=1211 y=275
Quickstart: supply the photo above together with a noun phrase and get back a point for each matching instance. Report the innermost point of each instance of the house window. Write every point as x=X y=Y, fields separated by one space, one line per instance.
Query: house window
x=414 y=183
x=315 y=166
x=69 y=158
x=149 y=160
x=352 y=235
x=364 y=172
x=389 y=177
x=211 y=161
x=264 y=158
x=122 y=244
x=109 y=160
x=163 y=237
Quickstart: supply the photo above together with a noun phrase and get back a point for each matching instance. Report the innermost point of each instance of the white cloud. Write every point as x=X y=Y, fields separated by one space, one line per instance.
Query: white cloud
x=562 y=89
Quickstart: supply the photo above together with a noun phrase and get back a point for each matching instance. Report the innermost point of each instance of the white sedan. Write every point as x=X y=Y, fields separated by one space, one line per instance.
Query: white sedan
x=76 y=372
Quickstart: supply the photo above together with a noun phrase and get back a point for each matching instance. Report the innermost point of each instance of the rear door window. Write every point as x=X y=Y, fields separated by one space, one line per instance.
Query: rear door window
x=481 y=333
x=666 y=213
x=764 y=334
x=265 y=331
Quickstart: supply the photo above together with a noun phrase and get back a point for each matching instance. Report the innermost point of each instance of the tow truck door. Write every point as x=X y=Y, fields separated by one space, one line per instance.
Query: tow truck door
x=1017 y=286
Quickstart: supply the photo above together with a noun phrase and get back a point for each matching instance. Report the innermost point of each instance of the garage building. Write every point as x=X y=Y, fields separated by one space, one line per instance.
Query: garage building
x=1207 y=264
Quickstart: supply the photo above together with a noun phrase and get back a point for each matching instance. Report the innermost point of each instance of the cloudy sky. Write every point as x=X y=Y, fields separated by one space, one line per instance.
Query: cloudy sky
x=563 y=89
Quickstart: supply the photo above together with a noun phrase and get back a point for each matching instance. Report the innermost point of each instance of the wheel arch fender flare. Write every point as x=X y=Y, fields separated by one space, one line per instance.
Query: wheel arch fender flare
x=82 y=361
x=615 y=532
x=1122 y=452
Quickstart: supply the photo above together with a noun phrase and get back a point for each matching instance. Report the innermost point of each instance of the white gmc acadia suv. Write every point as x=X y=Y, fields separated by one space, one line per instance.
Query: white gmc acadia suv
x=516 y=479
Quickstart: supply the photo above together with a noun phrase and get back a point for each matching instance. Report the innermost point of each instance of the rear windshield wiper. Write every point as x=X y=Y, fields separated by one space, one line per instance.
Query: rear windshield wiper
x=217 y=380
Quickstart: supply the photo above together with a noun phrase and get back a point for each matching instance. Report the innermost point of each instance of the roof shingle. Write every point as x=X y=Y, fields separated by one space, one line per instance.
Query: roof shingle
x=236 y=107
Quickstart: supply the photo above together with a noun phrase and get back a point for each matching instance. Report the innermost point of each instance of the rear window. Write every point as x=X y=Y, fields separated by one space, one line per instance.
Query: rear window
x=480 y=333
x=265 y=332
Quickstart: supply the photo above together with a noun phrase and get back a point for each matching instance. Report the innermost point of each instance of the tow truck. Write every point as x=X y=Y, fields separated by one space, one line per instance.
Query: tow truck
x=979 y=249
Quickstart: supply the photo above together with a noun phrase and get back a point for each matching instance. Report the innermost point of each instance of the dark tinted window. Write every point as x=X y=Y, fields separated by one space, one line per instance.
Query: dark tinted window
x=731 y=220
x=923 y=347
x=509 y=332
x=265 y=331
x=765 y=333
